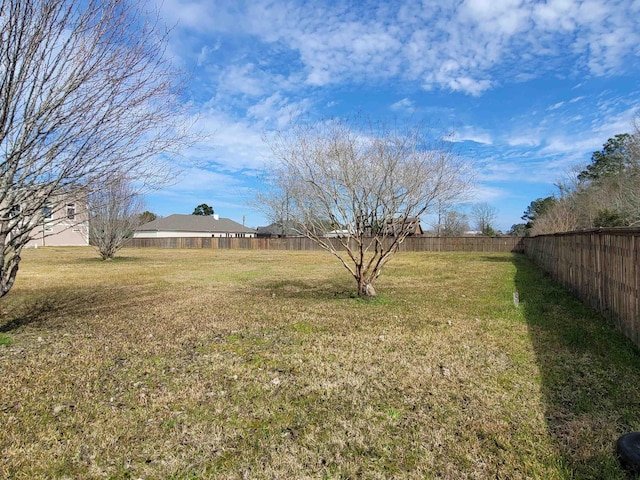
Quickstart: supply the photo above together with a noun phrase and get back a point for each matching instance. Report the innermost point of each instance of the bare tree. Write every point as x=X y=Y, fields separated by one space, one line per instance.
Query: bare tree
x=484 y=216
x=454 y=224
x=85 y=93
x=563 y=216
x=114 y=213
x=441 y=213
x=367 y=190
x=634 y=146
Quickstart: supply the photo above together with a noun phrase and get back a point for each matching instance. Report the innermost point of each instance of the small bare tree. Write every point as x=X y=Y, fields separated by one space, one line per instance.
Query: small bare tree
x=454 y=224
x=563 y=216
x=484 y=216
x=114 y=213
x=85 y=93
x=634 y=146
x=359 y=196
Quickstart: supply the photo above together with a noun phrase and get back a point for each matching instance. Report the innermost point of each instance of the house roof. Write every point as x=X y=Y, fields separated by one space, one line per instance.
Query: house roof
x=194 y=223
x=288 y=229
x=412 y=225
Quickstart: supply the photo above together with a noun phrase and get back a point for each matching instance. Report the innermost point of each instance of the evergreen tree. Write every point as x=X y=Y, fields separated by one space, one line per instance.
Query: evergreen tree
x=203 y=209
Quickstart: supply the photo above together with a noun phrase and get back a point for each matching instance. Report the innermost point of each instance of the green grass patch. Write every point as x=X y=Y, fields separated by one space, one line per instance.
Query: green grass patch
x=263 y=364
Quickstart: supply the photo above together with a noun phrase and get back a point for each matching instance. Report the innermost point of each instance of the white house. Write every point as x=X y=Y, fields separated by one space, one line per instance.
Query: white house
x=178 y=225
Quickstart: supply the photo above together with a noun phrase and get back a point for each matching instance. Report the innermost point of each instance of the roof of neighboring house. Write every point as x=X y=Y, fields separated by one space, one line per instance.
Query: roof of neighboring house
x=194 y=223
x=412 y=224
x=287 y=229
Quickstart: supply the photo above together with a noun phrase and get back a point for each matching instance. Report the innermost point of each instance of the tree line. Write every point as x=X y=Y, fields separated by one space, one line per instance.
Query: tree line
x=604 y=193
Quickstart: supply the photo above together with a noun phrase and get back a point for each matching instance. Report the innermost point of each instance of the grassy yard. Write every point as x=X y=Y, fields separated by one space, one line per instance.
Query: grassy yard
x=239 y=364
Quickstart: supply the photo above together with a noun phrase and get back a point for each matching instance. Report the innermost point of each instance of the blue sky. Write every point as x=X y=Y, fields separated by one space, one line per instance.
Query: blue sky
x=530 y=88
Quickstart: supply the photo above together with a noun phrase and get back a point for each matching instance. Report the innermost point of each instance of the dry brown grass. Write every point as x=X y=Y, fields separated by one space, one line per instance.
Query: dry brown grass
x=258 y=364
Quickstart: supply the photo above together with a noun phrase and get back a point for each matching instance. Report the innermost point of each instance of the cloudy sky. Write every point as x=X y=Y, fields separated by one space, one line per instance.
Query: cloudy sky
x=530 y=88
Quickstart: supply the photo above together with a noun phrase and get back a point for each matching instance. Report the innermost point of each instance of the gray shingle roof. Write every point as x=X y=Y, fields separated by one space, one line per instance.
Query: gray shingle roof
x=194 y=223
x=288 y=230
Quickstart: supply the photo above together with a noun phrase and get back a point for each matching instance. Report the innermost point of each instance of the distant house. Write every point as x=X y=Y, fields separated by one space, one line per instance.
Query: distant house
x=65 y=224
x=410 y=225
x=278 y=230
x=341 y=233
x=178 y=225
x=391 y=228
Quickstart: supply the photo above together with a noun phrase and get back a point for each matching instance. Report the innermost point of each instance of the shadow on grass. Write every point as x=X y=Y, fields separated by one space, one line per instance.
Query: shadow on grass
x=27 y=314
x=116 y=260
x=52 y=306
x=323 y=291
x=590 y=374
x=295 y=288
x=496 y=259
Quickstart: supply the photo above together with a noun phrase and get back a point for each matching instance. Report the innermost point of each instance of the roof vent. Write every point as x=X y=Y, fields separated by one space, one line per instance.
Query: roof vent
x=216 y=216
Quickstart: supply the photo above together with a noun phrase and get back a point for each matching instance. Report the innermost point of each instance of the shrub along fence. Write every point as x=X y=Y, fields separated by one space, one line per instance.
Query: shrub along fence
x=600 y=266
x=411 y=244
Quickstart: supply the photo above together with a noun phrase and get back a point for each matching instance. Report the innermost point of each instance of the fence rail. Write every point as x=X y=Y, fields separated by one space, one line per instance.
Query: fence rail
x=410 y=244
x=600 y=266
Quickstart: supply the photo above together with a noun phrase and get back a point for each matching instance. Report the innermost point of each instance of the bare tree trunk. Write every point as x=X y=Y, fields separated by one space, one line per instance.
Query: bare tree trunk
x=9 y=265
x=365 y=288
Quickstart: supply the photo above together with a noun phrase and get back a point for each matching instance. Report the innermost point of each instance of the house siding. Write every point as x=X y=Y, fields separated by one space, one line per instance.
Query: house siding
x=60 y=235
x=182 y=234
x=61 y=231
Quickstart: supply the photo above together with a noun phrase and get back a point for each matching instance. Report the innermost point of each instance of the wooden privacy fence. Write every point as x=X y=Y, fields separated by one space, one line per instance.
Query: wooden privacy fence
x=600 y=266
x=411 y=244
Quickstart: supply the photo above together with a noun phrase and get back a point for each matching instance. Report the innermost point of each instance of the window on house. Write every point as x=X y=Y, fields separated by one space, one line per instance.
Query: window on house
x=14 y=211
x=47 y=212
x=71 y=211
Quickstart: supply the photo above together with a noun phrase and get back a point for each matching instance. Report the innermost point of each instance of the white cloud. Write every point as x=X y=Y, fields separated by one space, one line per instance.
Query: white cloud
x=197 y=16
x=229 y=145
x=455 y=46
x=197 y=180
x=242 y=79
x=612 y=124
x=205 y=53
x=555 y=106
x=570 y=146
x=499 y=170
x=487 y=193
x=525 y=139
x=277 y=110
x=555 y=15
x=468 y=85
x=495 y=16
x=472 y=134
x=350 y=50
x=402 y=105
